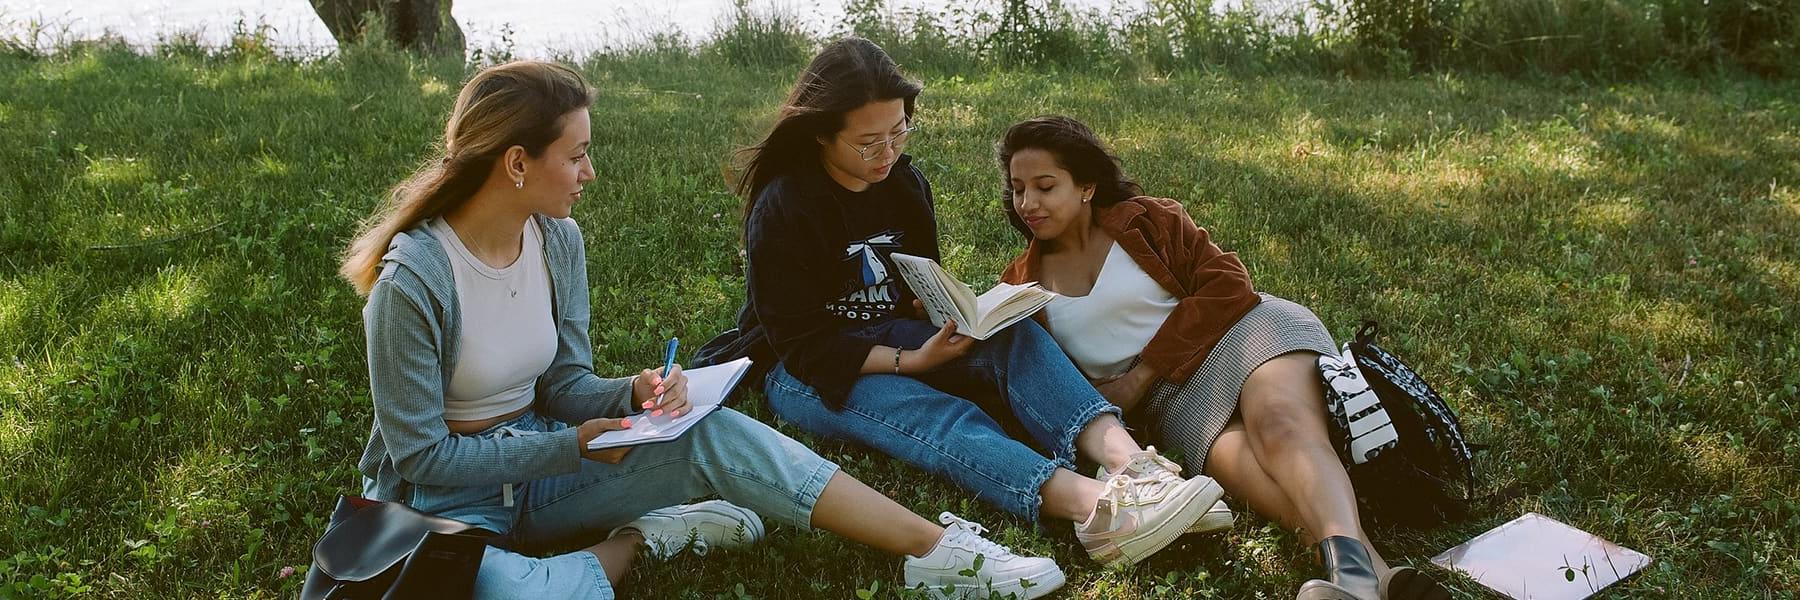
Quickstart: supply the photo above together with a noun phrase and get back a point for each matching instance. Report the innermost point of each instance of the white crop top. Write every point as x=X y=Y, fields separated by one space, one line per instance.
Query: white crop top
x=1104 y=331
x=508 y=338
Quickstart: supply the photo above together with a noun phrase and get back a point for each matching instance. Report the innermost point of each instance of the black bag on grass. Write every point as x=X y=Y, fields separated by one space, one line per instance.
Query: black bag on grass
x=1400 y=442
x=389 y=551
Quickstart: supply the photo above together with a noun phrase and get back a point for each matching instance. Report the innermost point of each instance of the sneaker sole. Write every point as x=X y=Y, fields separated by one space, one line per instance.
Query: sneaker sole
x=1218 y=518
x=972 y=591
x=1192 y=509
x=753 y=525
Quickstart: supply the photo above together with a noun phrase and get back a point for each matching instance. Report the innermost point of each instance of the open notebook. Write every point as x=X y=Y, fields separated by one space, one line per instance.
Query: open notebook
x=947 y=298
x=707 y=388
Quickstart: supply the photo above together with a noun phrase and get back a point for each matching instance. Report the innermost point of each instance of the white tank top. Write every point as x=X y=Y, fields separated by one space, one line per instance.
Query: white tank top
x=1104 y=331
x=507 y=339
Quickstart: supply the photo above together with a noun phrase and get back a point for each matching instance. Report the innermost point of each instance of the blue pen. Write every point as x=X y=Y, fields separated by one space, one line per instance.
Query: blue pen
x=668 y=363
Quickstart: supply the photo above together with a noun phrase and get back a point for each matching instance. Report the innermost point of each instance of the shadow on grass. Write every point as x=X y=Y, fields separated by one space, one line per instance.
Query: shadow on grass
x=1528 y=248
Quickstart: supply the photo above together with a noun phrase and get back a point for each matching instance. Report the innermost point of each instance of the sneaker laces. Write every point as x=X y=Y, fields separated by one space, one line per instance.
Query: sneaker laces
x=1121 y=489
x=1149 y=458
x=955 y=526
x=1143 y=461
x=1149 y=474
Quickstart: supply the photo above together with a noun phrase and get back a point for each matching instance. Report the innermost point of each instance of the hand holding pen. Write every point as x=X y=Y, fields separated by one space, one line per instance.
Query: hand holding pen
x=665 y=392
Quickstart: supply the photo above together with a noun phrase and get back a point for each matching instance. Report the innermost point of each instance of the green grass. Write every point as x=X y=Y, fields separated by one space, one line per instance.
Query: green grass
x=1601 y=278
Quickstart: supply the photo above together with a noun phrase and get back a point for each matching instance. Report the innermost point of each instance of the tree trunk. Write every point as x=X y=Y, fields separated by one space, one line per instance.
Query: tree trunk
x=422 y=25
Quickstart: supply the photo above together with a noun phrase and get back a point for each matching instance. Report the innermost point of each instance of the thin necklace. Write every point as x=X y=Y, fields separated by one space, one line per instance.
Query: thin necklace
x=507 y=280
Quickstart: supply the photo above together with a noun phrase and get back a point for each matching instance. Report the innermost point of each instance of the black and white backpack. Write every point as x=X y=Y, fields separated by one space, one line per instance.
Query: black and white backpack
x=1400 y=442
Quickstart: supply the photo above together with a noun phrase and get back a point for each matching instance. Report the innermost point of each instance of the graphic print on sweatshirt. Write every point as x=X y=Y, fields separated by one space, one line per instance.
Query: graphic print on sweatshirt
x=873 y=293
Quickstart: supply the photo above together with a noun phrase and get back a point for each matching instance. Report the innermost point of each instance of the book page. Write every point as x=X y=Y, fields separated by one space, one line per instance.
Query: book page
x=1007 y=304
x=992 y=299
x=959 y=292
x=934 y=287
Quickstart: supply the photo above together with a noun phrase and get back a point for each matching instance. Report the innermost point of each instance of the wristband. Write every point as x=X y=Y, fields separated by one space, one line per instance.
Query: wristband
x=897 y=361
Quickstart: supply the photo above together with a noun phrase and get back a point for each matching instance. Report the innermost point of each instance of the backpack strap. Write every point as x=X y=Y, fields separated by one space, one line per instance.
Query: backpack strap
x=1366 y=333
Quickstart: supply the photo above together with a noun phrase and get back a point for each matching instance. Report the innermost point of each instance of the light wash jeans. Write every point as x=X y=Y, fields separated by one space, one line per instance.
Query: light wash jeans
x=728 y=454
x=949 y=422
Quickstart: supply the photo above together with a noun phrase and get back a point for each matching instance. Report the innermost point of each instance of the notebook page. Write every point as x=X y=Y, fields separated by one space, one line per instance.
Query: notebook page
x=707 y=389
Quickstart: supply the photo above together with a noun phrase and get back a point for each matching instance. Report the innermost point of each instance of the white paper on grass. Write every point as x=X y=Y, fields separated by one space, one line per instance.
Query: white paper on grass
x=707 y=388
x=1539 y=558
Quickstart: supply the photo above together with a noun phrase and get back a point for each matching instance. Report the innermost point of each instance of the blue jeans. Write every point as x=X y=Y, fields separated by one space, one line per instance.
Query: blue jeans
x=728 y=454
x=945 y=421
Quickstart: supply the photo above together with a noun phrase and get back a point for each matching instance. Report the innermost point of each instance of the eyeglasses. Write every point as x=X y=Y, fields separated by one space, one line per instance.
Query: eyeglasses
x=873 y=151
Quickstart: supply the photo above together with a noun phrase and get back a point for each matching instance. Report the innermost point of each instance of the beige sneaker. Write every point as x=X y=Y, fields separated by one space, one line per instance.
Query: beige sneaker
x=1218 y=518
x=1145 y=508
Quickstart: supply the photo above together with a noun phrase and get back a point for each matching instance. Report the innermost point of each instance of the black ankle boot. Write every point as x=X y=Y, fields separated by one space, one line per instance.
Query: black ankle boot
x=1406 y=583
x=1349 y=572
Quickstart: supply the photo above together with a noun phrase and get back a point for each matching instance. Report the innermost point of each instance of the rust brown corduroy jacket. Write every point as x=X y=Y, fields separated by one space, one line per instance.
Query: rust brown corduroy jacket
x=1212 y=285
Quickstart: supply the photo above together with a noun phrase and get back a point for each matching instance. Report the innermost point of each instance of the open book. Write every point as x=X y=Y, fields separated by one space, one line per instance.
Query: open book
x=707 y=388
x=979 y=317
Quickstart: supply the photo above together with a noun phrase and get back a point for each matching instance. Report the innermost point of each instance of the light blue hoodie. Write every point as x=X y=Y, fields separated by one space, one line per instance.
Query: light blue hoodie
x=412 y=323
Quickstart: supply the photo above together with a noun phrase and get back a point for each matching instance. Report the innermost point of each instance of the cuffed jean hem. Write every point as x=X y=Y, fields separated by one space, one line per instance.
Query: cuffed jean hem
x=507 y=575
x=1031 y=502
x=602 y=585
x=1065 y=443
x=807 y=496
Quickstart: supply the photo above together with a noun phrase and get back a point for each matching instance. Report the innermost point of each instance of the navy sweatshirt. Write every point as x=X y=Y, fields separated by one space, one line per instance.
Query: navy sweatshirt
x=819 y=270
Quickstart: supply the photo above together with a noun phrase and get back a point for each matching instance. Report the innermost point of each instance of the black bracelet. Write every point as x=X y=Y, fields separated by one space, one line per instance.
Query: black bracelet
x=897 y=361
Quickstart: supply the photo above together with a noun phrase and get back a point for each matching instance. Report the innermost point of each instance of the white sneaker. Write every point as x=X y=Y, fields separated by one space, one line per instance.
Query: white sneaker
x=701 y=526
x=1218 y=518
x=966 y=565
x=1144 y=509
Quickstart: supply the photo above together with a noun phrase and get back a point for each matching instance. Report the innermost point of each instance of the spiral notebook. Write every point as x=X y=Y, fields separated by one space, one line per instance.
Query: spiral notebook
x=707 y=388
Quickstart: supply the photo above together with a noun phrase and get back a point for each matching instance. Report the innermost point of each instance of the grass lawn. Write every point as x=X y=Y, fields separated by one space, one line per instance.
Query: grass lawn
x=1601 y=277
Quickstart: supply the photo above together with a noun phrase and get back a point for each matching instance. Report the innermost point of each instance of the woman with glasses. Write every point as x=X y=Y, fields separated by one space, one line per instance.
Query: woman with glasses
x=482 y=377
x=831 y=196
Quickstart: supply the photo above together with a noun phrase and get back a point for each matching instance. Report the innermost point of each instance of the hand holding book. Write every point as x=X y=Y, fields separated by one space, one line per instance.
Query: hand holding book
x=592 y=428
x=659 y=393
x=943 y=347
x=947 y=299
x=704 y=390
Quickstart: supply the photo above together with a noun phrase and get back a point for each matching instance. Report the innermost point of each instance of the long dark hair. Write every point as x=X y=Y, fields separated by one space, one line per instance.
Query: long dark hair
x=515 y=104
x=1076 y=149
x=843 y=77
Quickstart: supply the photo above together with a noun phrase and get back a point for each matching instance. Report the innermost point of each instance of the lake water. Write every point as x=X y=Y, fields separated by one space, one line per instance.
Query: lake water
x=535 y=28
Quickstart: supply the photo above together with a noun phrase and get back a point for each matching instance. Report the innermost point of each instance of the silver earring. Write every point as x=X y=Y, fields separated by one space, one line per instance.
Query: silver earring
x=520 y=184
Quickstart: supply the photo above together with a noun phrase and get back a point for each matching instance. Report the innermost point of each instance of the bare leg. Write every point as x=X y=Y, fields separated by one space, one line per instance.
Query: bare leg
x=1234 y=466
x=1106 y=441
x=1069 y=495
x=1283 y=407
x=616 y=554
x=851 y=509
